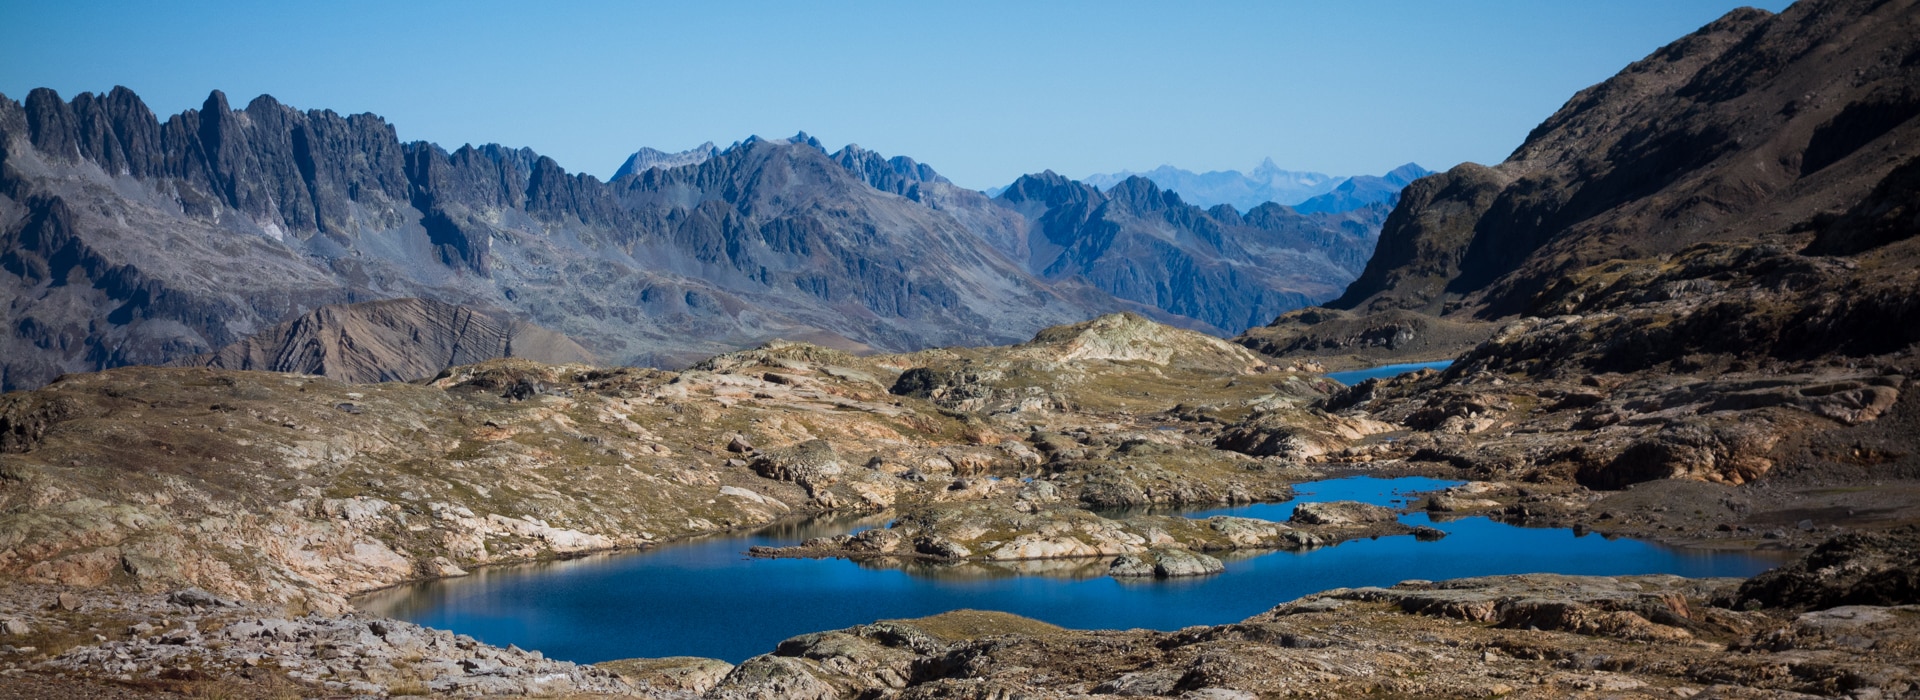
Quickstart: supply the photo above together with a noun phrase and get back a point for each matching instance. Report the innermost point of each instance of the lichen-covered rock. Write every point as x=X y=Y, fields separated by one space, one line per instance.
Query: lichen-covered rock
x=1164 y=562
x=811 y=463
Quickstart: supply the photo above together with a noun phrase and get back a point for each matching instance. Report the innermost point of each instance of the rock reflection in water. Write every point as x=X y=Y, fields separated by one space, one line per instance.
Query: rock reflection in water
x=1082 y=568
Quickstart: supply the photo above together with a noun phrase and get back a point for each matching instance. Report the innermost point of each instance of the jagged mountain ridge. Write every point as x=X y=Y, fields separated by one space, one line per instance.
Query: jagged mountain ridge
x=130 y=240
x=1145 y=244
x=648 y=158
x=183 y=236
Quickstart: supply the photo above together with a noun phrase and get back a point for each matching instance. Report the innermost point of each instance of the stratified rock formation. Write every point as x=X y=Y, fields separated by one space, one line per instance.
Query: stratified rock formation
x=397 y=340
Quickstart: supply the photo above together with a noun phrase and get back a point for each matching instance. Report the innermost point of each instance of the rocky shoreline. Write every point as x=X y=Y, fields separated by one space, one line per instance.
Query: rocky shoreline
x=1842 y=621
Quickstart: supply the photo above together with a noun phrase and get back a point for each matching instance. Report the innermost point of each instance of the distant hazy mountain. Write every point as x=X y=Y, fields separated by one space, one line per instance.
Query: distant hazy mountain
x=1362 y=190
x=1269 y=183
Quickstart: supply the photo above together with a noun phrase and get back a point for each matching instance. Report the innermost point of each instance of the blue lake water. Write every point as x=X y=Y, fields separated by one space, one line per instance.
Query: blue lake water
x=707 y=598
x=1355 y=376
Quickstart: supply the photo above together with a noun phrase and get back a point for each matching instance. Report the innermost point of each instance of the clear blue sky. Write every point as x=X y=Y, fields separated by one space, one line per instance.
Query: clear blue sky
x=982 y=91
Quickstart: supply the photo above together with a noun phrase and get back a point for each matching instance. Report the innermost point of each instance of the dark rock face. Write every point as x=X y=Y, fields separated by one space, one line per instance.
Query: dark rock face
x=1423 y=241
x=1144 y=244
x=131 y=239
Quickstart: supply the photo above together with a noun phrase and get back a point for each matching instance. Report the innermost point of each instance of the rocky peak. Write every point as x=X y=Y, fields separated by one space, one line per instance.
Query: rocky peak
x=51 y=123
x=1142 y=197
x=1405 y=174
x=649 y=158
x=1049 y=189
x=900 y=175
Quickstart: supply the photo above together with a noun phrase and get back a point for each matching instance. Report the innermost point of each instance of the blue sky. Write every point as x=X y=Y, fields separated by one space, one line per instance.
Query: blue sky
x=983 y=91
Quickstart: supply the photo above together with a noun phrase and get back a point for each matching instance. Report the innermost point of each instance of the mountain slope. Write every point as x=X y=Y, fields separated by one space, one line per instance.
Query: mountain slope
x=393 y=340
x=1737 y=129
x=1736 y=137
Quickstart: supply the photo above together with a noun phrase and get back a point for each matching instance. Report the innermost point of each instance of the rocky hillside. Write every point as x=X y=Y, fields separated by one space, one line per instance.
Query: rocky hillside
x=395 y=340
x=1702 y=268
x=1141 y=243
x=1718 y=176
x=1736 y=131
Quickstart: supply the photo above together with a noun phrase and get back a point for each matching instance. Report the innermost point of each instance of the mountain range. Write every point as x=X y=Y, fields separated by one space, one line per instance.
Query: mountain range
x=135 y=240
x=1309 y=192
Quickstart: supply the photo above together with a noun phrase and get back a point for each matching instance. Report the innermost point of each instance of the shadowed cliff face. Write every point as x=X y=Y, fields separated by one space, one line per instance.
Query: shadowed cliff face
x=128 y=239
x=1144 y=244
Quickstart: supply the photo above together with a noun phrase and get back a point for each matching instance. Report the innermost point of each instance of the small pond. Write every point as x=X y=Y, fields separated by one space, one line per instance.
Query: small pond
x=1355 y=376
x=707 y=598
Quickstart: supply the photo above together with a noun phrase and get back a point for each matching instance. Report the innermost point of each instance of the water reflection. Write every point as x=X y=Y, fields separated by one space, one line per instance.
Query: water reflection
x=707 y=598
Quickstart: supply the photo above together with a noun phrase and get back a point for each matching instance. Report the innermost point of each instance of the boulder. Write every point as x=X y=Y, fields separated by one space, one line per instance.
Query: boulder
x=1865 y=568
x=196 y=598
